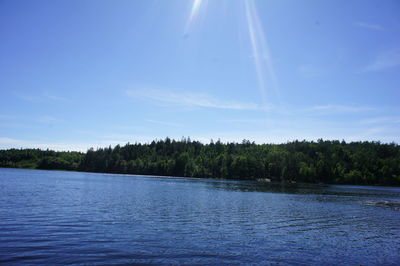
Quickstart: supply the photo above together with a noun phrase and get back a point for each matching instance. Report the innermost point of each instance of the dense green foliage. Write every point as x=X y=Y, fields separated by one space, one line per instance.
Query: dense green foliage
x=317 y=162
x=39 y=159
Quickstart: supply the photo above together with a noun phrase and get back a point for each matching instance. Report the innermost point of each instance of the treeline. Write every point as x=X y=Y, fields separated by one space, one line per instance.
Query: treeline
x=333 y=162
x=41 y=159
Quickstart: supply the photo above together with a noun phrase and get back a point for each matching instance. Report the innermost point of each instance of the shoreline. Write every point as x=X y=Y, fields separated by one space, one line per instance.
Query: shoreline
x=272 y=182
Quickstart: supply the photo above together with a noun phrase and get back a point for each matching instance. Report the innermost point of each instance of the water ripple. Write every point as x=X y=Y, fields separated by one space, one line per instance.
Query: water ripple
x=77 y=218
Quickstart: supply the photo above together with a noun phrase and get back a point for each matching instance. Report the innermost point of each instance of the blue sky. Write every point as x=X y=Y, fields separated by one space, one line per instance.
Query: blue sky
x=80 y=74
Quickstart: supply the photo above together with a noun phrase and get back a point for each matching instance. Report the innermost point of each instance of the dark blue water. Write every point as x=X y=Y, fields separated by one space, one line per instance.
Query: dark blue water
x=66 y=217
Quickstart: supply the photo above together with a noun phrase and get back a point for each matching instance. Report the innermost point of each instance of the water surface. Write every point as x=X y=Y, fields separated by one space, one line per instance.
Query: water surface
x=49 y=217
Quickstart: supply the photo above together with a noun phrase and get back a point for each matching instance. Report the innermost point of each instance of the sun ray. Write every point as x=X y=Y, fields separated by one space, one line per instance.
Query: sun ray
x=193 y=14
x=261 y=54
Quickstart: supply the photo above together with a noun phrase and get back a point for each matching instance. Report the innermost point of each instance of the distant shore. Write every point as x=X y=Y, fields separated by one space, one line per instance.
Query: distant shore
x=326 y=162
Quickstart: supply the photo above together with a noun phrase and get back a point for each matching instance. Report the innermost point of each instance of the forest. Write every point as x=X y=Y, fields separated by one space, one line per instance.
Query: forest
x=328 y=162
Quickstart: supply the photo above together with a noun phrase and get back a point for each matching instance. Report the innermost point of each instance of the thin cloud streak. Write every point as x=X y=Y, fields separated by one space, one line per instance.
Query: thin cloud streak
x=332 y=108
x=163 y=123
x=375 y=130
x=13 y=125
x=369 y=26
x=26 y=120
x=190 y=99
x=41 y=97
x=12 y=143
x=380 y=120
x=47 y=119
x=309 y=71
x=55 y=97
x=389 y=59
x=5 y=117
x=278 y=136
x=5 y=140
x=206 y=101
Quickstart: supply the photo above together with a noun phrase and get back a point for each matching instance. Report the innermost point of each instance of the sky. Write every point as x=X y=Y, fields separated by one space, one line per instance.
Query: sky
x=81 y=74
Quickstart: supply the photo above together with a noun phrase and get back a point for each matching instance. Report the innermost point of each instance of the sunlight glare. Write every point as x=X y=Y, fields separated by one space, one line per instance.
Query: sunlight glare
x=260 y=53
x=193 y=14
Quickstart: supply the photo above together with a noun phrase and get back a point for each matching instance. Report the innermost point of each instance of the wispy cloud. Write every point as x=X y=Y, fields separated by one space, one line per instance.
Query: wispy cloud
x=332 y=108
x=385 y=60
x=5 y=117
x=245 y=121
x=309 y=71
x=375 y=130
x=26 y=121
x=14 y=125
x=48 y=119
x=6 y=141
x=381 y=133
x=27 y=97
x=190 y=99
x=40 y=97
x=54 y=97
x=9 y=143
x=163 y=123
x=380 y=120
x=369 y=26
x=206 y=101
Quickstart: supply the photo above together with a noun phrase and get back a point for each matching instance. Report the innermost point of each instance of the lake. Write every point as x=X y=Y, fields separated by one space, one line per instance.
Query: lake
x=56 y=217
